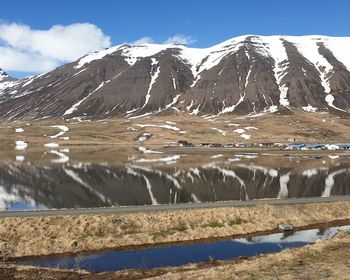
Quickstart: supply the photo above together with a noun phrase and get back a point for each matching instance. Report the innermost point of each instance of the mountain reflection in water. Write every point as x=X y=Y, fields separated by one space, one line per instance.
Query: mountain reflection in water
x=30 y=185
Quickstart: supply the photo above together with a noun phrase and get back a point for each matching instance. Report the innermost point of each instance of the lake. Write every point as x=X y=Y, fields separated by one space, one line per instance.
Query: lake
x=120 y=176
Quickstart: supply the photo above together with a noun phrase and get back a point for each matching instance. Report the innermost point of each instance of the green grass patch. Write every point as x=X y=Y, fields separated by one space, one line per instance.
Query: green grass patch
x=237 y=221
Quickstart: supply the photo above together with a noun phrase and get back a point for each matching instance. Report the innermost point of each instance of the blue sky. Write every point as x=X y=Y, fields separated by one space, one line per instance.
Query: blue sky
x=204 y=22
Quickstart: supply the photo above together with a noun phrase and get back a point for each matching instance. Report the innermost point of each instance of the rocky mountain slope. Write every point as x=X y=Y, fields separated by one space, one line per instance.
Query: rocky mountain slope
x=244 y=75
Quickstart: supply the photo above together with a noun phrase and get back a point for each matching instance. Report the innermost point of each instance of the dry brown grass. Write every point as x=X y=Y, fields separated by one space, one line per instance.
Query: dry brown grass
x=61 y=234
x=322 y=260
x=307 y=127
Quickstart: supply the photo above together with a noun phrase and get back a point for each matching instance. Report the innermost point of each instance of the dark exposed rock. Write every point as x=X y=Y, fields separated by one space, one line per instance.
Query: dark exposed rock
x=185 y=143
x=244 y=75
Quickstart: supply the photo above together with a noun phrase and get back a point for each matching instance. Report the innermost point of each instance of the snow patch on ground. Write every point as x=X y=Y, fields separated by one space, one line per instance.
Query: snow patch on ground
x=234 y=159
x=51 y=145
x=242 y=133
x=234 y=124
x=62 y=158
x=217 y=156
x=247 y=156
x=146 y=151
x=219 y=130
x=144 y=136
x=20 y=158
x=164 y=159
x=239 y=130
x=21 y=145
x=166 y=126
x=245 y=136
x=63 y=129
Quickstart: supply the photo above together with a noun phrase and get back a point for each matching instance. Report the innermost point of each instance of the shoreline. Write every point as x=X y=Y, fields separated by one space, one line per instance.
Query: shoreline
x=42 y=236
x=321 y=225
x=170 y=207
x=329 y=256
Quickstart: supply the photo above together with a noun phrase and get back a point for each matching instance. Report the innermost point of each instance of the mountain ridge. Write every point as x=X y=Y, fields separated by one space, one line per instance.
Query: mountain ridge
x=249 y=74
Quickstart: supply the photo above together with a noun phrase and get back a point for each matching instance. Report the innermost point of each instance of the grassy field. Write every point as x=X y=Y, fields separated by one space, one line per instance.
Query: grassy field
x=323 y=260
x=73 y=234
x=306 y=127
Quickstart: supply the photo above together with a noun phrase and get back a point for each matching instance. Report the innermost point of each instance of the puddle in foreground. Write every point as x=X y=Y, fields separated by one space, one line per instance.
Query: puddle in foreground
x=183 y=254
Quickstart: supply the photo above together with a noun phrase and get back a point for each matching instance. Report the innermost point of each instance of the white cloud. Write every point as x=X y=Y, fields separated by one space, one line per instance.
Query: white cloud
x=24 y=49
x=28 y=50
x=176 y=39
x=143 y=40
x=180 y=39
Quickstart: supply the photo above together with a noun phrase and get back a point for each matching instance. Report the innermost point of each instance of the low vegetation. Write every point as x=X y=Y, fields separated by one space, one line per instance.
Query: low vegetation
x=72 y=234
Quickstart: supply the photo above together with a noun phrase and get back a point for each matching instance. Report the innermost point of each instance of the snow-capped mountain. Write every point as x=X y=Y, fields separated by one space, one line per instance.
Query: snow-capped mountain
x=244 y=75
x=4 y=77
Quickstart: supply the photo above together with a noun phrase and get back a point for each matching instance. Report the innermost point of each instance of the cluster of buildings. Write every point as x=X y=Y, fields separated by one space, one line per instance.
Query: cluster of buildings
x=316 y=146
x=290 y=146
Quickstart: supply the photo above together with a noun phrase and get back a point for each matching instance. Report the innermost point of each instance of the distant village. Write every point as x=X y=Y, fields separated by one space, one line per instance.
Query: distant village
x=282 y=146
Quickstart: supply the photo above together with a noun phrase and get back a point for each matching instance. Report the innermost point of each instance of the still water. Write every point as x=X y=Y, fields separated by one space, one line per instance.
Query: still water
x=184 y=254
x=71 y=178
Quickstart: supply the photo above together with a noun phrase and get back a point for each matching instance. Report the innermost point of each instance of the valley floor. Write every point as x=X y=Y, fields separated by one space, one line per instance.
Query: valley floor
x=165 y=130
x=35 y=236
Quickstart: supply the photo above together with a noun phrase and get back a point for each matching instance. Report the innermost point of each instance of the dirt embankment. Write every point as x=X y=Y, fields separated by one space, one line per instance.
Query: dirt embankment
x=72 y=234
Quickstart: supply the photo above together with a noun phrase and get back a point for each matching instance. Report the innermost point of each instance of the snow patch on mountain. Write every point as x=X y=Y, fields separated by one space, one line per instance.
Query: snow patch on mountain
x=309 y=49
x=75 y=106
x=154 y=75
x=96 y=56
x=172 y=103
x=339 y=46
x=309 y=108
x=330 y=101
x=231 y=108
x=278 y=52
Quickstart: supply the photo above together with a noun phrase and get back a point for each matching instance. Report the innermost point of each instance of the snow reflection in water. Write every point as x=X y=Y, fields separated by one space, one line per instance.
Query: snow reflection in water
x=148 y=182
x=184 y=254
